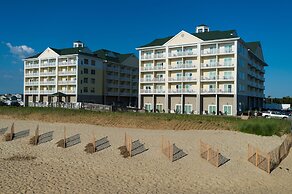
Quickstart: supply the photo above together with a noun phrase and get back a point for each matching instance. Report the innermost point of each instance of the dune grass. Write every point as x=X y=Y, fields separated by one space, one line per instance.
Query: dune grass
x=258 y=126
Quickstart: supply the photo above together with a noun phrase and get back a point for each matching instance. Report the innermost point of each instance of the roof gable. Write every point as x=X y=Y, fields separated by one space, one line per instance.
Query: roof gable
x=48 y=53
x=182 y=37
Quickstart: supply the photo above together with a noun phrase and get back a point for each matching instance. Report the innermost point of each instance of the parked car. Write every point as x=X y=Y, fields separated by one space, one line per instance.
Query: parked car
x=275 y=114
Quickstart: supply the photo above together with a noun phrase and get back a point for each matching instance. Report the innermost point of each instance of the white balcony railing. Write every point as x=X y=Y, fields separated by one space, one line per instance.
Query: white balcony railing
x=31 y=91
x=71 y=63
x=182 y=66
x=216 y=51
x=52 y=64
x=32 y=83
x=181 y=91
x=47 y=91
x=208 y=78
x=181 y=79
x=51 y=82
x=67 y=72
x=214 y=90
x=47 y=73
x=146 y=91
x=182 y=54
x=67 y=91
x=225 y=78
x=67 y=82
x=31 y=74
x=32 y=66
x=159 y=56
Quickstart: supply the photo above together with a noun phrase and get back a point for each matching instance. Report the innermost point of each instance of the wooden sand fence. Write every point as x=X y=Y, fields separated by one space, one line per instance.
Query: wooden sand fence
x=167 y=148
x=269 y=161
x=209 y=154
x=128 y=144
x=212 y=155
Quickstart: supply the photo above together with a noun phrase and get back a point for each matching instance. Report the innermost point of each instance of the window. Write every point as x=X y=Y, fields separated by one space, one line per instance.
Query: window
x=148 y=66
x=179 y=76
x=179 y=62
x=93 y=71
x=212 y=109
x=178 y=108
x=86 y=61
x=178 y=87
x=85 y=71
x=148 y=88
x=81 y=72
x=212 y=87
x=188 y=62
x=92 y=80
x=212 y=75
x=227 y=75
x=148 y=107
x=93 y=62
x=212 y=62
x=228 y=48
x=188 y=74
x=80 y=81
x=227 y=88
x=86 y=80
x=92 y=90
x=188 y=87
x=159 y=107
x=227 y=61
x=213 y=50
x=85 y=89
x=188 y=108
x=200 y=30
x=227 y=109
x=148 y=77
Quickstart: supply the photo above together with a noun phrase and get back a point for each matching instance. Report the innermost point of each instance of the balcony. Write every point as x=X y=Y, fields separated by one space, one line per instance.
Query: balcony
x=74 y=63
x=216 y=65
x=181 y=91
x=110 y=85
x=67 y=91
x=208 y=78
x=225 y=78
x=217 y=51
x=159 y=56
x=182 y=79
x=182 y=66
x=125 y=78
x=32 y=83
x=125 y=94
x=51 y=82
x=146 y=91
x=125 y=71
x=52 y=64
x=29 y=66
x=112 y=77
x=112 y=93
x=147 y=57
x=49 y=73
x=31 y=91
x=153 y=68
x=67 y=72
x=125 y=86
x=67 y=82
x=182 y=54
x=115 y=69
x=47 y=91
x=31 y=74
x=214 y=91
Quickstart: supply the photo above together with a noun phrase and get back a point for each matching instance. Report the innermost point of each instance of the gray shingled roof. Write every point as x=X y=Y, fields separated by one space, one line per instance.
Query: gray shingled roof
x=212 y=35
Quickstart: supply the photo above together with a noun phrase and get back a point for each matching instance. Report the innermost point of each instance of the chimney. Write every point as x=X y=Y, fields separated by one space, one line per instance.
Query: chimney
x=77 y=44
x=202 y=28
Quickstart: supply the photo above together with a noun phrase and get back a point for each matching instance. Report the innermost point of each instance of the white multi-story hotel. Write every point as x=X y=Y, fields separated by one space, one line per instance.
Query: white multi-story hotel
x=79 y=74
x=206 y=72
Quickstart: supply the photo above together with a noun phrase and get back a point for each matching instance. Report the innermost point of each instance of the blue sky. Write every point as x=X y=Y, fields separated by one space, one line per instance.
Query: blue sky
x=30 y=26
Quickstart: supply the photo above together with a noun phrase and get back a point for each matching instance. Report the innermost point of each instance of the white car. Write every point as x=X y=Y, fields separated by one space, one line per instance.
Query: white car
x=274 y=114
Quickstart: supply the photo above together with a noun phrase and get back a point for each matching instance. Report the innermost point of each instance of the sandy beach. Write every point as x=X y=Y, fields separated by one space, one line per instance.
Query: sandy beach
x=52 y=169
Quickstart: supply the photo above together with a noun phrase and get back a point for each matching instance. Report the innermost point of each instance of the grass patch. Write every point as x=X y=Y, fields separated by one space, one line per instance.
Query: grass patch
x=264 y=127
x=258 y=126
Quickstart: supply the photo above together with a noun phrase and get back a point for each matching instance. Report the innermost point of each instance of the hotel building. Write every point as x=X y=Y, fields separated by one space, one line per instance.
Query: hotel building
x=206 y=72
x=77 y=72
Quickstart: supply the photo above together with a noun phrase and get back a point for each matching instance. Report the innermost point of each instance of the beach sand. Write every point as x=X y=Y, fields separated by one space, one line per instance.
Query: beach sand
x=72 y=170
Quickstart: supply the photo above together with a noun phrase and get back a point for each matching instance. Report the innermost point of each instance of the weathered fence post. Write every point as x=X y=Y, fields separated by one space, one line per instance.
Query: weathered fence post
x=64 y=137
x=36 y=135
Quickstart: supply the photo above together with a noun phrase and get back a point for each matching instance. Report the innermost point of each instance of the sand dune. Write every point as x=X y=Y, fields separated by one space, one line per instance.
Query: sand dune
x=50 y=169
